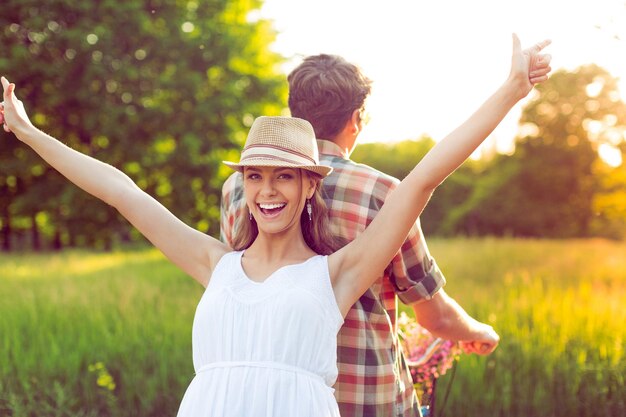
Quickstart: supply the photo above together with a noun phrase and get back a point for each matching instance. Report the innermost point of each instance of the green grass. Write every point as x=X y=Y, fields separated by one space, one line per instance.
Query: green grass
x=109 y=334
x=559 y=309
x=92 y=334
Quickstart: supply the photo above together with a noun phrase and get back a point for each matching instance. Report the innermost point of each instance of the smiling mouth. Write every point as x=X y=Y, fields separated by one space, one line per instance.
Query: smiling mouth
x=271 y=209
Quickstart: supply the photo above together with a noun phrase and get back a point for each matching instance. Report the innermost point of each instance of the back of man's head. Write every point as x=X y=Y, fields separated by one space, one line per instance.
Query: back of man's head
x=326 y=90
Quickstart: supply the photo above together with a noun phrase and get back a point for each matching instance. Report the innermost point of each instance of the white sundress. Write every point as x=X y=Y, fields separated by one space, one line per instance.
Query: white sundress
x=265 y=349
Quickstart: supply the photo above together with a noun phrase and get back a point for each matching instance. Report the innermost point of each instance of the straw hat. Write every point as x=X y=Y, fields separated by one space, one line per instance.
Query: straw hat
x=281 y=142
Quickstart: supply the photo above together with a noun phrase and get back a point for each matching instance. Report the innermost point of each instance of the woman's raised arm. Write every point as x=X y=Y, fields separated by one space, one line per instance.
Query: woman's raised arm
x=194 y=252
x=354 y=268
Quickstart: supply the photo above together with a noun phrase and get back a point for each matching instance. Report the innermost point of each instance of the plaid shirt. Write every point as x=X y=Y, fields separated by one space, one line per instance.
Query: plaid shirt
x=373 y=378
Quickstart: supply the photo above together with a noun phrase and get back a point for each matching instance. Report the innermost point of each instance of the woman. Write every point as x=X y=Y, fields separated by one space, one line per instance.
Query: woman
x=264 y=332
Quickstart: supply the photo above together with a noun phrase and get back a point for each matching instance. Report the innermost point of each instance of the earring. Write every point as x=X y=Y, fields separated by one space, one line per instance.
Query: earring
x=249 y=215
x=309 y=208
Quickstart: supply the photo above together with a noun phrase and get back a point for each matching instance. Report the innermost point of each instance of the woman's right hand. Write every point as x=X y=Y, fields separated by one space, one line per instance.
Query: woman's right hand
x=12 y=113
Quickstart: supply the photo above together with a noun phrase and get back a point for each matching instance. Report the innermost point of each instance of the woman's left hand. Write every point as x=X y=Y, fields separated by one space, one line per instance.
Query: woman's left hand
x=529 y=66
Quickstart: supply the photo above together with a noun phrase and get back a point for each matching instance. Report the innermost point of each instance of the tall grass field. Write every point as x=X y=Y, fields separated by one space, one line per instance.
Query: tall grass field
x=109 y=334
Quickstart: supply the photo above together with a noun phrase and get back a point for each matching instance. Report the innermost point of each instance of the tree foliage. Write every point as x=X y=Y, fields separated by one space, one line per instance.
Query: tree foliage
x=398 y=159
x=161 y=89
x=166 y=89
x=395 y=159
x=551 y=185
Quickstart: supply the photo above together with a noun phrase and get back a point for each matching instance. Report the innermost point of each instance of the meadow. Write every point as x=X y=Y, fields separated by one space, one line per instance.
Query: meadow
x=109 y=334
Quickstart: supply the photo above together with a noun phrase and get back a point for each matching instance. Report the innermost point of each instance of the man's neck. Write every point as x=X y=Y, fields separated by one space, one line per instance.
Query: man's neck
x=346 y=142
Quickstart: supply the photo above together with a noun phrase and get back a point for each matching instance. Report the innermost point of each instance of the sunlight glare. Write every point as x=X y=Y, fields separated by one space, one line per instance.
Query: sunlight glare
x=593 y=128
x=610 y=155
x=594 y=89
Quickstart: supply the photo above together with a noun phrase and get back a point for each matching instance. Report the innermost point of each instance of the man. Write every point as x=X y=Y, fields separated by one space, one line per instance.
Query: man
x=373 y=378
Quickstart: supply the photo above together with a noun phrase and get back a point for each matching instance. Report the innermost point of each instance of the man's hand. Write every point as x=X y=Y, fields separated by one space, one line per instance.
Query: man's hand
x=484 y=344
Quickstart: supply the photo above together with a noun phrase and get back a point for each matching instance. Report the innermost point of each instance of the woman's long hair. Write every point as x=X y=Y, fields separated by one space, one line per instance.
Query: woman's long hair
x=316 y=232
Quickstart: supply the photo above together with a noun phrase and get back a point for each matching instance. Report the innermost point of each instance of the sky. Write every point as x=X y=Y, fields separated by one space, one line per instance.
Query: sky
x=434 y=62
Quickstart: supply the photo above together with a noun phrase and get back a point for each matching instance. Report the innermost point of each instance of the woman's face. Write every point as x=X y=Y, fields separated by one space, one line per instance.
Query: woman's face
x=276 y=196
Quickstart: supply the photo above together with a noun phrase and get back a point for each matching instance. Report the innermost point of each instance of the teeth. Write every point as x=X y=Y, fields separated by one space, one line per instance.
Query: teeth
x=271 y=206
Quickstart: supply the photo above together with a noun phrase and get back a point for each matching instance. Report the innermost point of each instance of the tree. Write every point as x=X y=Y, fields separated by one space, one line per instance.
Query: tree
x=162 y=89
x=549 y=186
x=398 y=159
x=395 y=159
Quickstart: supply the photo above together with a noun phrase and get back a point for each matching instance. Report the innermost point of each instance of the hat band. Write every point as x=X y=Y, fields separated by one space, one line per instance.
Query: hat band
x=272 y=149
x=276 y=153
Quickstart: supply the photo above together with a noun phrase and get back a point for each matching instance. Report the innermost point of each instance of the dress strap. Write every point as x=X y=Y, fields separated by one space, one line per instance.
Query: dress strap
x=223 y=272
